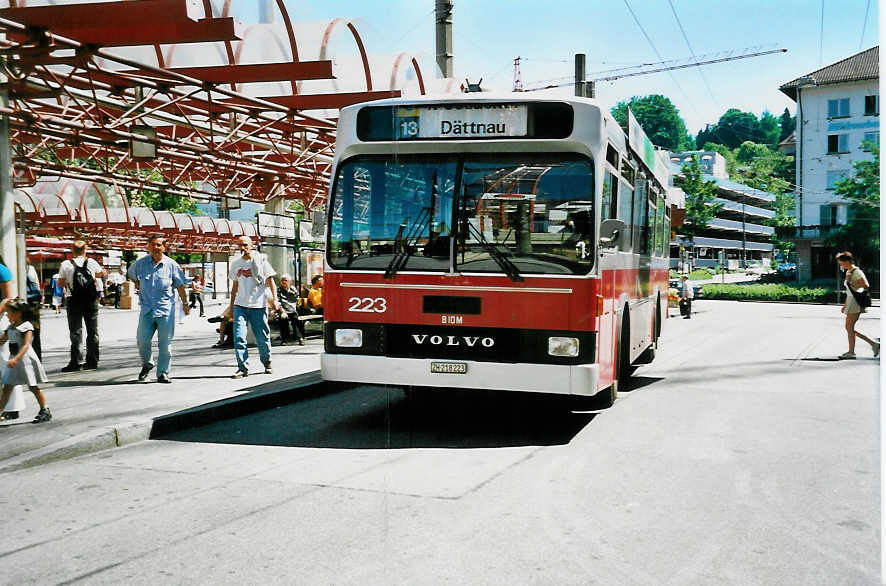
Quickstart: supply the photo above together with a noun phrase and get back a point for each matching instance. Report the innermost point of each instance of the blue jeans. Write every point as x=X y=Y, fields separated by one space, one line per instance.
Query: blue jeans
x=257 y=318
x=165 y=328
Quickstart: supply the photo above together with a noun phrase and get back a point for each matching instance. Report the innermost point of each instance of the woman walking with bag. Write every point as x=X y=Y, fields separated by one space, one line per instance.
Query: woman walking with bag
x=857 y=286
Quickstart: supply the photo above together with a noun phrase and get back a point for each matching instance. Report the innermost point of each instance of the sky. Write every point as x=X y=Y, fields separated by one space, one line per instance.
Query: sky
x=489 y=34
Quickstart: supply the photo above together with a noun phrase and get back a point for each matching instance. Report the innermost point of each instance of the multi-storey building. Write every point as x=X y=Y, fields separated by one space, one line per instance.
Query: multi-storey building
x=838 y=109
x=740 y=229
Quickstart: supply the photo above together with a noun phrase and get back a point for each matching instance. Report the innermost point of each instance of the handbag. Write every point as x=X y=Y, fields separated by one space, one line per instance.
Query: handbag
x=863 y=297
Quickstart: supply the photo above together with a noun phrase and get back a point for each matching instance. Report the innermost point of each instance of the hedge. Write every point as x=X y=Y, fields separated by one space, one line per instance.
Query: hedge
x=768 y=292
x=702 y=274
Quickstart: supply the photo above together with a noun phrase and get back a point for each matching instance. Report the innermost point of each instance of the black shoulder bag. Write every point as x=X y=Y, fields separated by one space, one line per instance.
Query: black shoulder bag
x=863 y=298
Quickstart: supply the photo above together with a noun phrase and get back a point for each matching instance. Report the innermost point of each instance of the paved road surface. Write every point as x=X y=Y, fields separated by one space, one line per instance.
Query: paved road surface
x=742 y=456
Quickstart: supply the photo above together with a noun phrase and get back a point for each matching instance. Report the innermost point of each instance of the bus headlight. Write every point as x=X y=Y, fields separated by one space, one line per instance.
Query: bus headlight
x=561 y=346
x=348 y=338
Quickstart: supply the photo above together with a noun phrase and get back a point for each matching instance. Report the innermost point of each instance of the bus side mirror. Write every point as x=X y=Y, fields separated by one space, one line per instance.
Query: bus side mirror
x=613 y=233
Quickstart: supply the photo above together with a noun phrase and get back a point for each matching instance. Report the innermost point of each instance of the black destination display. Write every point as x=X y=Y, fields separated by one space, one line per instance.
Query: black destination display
x=465 y=121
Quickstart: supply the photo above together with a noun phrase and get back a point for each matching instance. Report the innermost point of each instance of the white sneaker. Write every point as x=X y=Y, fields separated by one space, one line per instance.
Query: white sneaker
x=847 y=356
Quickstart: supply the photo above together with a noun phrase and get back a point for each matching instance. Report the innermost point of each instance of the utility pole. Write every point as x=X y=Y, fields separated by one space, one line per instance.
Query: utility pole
x=744 y=239
x=518 y=78
x=443 y=11
x=583 y=89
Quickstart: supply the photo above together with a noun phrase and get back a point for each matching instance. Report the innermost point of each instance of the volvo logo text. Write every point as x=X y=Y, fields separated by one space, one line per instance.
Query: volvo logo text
x=469 y=341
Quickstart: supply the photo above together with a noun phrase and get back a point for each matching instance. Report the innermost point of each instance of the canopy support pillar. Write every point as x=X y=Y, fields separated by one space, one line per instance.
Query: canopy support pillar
x=7 y=200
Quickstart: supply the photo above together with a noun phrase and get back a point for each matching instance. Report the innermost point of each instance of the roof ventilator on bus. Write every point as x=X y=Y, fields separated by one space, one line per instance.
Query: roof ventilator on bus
x=614 y=233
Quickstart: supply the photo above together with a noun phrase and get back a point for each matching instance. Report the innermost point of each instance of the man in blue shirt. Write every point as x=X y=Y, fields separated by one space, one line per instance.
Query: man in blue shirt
x=156 y=276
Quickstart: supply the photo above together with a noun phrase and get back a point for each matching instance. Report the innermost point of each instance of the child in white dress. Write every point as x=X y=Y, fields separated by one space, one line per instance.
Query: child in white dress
x=23 y=366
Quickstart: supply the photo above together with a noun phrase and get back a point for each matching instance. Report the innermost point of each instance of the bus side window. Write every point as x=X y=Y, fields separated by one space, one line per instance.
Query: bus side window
x=663 y=228
x=625 y=197
x=641 y=220
x=651 y=218
x=610 y=196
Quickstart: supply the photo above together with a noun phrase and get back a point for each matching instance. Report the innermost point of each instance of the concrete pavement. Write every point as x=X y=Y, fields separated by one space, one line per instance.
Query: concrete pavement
x=100 y=409
x=742 y=455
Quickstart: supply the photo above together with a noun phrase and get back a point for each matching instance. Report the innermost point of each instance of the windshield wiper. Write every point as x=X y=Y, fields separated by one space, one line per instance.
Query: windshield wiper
x=406 y=244
x=509 y=268
x=413 y=234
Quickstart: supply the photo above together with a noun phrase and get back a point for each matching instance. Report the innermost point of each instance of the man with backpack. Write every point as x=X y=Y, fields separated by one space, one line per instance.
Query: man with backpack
x=79 y=275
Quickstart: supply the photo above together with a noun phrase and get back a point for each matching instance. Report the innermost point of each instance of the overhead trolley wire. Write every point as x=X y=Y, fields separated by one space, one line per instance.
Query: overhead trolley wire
x=867 y=11
x=692 y=52
x=660 y=58
x=821 y=38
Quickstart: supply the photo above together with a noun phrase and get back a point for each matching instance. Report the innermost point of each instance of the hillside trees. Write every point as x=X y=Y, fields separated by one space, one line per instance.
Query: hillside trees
x=736 y=127
x=788 y=123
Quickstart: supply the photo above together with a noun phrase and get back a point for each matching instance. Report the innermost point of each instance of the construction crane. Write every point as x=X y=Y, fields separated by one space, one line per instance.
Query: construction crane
x=658 y=67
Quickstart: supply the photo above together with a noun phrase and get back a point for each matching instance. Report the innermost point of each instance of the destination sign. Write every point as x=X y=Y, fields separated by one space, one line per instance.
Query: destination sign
x=461 y=121
x=465 y=120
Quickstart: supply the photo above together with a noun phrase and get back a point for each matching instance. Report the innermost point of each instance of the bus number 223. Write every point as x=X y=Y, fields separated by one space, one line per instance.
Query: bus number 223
x=368 y=304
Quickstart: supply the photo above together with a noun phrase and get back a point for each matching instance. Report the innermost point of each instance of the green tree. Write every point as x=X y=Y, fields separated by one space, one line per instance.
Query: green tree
x=704 y=138
x=659 y=118
x=735 y=127
x=861 y=234
x=700 y=195
x=788 y=123
x=769 y=128
x=750 y=151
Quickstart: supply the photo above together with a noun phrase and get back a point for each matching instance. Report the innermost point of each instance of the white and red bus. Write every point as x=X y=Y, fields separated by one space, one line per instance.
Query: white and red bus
x=486 y=242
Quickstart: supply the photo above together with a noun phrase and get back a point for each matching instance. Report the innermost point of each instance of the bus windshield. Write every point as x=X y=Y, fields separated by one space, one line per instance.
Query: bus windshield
x=511 y=213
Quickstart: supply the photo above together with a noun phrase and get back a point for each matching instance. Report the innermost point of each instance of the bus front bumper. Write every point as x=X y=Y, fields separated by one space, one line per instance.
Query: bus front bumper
x=534 y=378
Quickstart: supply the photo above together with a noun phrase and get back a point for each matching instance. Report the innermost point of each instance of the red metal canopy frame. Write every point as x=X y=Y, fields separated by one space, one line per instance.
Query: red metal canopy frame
x=75 y=105
x=81 y=209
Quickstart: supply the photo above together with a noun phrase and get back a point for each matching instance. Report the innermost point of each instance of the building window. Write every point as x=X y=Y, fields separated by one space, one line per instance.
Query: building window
x=834 y=176
x=872 y=105
x=827 y=217
x=838 y=108
x=838 y=143
x=873 y=137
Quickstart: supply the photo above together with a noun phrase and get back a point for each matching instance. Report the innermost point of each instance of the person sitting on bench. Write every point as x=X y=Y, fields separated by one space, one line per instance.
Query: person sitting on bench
x=289 y=301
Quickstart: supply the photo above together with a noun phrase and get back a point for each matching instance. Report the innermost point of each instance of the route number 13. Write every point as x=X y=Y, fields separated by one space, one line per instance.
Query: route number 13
x=368 y=304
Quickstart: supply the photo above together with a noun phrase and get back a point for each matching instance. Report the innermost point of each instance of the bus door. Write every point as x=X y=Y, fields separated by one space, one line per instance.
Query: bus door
x=608 y=271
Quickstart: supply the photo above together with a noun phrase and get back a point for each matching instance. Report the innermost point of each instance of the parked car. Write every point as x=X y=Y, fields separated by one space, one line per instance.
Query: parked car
x=788 y=270
x=756 y=269
x=675 y=284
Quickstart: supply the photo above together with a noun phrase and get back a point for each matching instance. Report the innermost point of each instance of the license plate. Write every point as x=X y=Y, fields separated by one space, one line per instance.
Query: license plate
x=449 y=367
